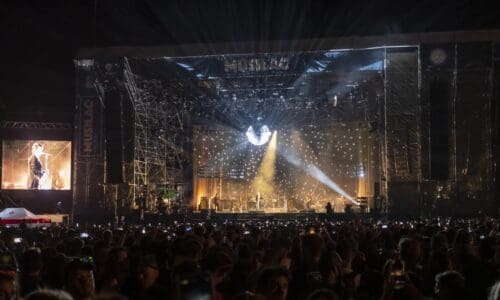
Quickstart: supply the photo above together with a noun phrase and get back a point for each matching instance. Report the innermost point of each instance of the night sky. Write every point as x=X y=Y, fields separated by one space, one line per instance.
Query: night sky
x=39 y=39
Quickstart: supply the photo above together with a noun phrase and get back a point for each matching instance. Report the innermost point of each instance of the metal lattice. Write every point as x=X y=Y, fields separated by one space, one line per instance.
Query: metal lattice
x=157 y=154
x=34 y=125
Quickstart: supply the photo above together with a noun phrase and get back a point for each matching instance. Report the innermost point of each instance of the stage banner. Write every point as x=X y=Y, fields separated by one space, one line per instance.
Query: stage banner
x=89 y=110
x=88 y=168
x=90 y=127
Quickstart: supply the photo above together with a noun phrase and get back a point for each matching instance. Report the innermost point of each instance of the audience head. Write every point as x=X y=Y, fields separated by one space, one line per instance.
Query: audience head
x=46 y=294
x=323 y=294
x=272 y=282
x=8 y=285
x=148 y=271
x=8 y=276
x=439 y=243
x=410 y=251
x=450 y=285
x=79 y=278
x=31 y=262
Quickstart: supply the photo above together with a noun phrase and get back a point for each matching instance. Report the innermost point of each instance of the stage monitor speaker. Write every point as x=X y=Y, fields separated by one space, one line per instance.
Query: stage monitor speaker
x=203 y=203
x=439 y=96
x=113 y=135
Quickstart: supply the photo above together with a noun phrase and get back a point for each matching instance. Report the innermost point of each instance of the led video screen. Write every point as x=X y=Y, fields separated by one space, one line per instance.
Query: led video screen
x=36 y=165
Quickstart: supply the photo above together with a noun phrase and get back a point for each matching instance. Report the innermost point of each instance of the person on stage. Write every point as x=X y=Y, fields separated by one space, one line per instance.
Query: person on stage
x=160 y=205
x=216 y=202
x=329 y=209
x=35 y=166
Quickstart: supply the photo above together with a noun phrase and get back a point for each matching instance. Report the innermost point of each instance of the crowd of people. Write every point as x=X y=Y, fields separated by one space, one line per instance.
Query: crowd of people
x=316 y=258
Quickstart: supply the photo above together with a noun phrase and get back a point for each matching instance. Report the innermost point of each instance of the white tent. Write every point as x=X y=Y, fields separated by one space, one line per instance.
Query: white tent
x=13 y=216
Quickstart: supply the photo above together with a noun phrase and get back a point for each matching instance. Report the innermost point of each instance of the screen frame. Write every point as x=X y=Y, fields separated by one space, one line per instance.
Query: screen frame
x=71 y=171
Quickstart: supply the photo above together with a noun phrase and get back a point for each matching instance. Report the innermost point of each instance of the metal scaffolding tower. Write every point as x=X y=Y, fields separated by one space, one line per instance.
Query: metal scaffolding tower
x=157 y=126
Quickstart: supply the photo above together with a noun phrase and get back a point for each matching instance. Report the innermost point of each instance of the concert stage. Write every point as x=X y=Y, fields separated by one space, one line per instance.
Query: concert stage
x=290 y=126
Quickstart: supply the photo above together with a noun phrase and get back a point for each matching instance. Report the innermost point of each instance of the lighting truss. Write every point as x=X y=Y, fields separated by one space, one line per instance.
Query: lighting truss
x=34 y=125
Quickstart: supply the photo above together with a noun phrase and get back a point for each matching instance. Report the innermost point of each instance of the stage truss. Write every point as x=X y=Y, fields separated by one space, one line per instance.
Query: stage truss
x=35 y=125
x=158 y=128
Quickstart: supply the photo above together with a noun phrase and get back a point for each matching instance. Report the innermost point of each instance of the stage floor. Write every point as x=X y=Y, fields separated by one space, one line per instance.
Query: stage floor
x=262 y=211
x=281 y=210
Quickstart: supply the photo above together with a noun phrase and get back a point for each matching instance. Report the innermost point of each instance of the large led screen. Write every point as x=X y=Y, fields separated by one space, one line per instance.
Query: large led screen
x=36 y=165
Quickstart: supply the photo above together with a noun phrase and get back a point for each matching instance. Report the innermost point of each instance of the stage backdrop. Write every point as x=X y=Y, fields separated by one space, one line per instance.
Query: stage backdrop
x=229 y=167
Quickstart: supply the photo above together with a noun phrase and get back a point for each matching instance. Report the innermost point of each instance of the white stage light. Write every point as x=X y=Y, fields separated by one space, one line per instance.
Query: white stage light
x=316 y=173
x=263 y=138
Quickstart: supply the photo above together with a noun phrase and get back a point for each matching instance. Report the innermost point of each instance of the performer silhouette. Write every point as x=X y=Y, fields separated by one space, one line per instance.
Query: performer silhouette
x=216 y=202
x=35 y=166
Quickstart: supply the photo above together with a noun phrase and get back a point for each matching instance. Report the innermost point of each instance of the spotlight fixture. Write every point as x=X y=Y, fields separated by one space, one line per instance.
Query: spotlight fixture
x=263 y=138
x=438 y=56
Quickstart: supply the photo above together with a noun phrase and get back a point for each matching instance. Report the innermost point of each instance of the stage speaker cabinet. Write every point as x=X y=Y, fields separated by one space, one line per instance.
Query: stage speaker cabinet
x=403 y=198
x=113 y=135
x=439 y=98
x=363 y=204
x=203 y=203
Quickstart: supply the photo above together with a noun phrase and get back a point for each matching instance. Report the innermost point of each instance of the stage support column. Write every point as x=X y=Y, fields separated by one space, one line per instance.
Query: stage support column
x=95 y=80
x=402 y=126
x=88 y=170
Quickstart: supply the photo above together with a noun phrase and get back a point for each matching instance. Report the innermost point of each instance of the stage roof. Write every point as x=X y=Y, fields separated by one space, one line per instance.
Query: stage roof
x=356 y=42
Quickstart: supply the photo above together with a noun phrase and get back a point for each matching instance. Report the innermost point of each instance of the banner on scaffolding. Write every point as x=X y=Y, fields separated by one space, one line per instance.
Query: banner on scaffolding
x=90 y=126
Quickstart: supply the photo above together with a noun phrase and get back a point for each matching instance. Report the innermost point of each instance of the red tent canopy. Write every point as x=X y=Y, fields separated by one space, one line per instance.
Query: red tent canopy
x=17 y=215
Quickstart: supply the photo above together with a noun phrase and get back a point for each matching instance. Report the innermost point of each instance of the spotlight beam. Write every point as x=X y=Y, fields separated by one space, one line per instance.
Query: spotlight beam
x=315 y=172
x=264 y=179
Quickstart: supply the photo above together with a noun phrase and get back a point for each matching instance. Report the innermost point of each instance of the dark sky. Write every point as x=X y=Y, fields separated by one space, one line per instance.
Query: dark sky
x=40 y=38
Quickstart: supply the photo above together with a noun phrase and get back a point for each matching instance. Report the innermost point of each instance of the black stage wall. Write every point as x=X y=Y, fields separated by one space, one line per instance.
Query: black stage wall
x=457 y=115
x=402 y=112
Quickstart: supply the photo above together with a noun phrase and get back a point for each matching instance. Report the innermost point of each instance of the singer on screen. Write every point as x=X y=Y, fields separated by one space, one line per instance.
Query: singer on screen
x=36 y=174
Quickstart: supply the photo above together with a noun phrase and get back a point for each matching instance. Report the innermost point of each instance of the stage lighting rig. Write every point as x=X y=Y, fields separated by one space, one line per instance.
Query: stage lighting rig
x=263 y=138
